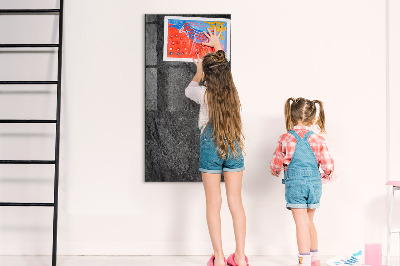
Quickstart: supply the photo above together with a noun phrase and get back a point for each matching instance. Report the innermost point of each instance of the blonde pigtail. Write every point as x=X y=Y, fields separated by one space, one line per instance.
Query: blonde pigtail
x=288 y=114
x=321 y=116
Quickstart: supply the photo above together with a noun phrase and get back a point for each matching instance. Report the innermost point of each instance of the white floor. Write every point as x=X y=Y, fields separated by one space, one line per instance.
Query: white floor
x=135 y=260
x=142 y=260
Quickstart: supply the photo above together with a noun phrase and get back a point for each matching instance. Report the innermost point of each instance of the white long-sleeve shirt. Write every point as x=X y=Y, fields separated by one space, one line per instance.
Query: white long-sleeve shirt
x=196 y=93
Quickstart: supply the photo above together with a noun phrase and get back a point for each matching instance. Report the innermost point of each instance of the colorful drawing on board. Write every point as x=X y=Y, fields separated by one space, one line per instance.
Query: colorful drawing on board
x=183 y=37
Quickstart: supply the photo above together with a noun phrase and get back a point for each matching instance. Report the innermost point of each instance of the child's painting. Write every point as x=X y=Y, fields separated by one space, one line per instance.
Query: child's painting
x=183 y=37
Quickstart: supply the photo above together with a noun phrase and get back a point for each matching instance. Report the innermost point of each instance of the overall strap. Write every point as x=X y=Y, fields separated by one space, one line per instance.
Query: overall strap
x=308 y=134
x=303 y=164
x=294 y=133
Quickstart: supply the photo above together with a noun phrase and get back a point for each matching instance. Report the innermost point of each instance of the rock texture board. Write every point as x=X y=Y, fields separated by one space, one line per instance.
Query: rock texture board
x=172 y=139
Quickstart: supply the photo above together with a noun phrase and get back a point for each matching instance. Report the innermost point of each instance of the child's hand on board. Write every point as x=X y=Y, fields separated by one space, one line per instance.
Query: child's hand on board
x=213 y=39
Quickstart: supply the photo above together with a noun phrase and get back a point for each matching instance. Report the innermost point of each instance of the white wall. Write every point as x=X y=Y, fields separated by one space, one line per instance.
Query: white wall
x=394 y=110
x=333 y=51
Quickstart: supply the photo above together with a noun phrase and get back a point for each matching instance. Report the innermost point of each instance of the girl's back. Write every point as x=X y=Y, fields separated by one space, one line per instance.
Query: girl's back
x=287 y=146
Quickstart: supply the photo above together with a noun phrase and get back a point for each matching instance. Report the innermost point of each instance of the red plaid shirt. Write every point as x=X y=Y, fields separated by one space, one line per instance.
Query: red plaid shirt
x=287 y=144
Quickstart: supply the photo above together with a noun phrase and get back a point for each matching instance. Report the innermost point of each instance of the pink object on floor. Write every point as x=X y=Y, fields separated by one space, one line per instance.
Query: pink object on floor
x=231 y=260
x=333 y=178
x=316 y=263
x=373 y=254
x=393 y=183
x=211 y=261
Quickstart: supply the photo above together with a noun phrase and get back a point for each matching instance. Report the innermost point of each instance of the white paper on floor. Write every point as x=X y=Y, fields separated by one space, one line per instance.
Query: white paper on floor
x=350 y=258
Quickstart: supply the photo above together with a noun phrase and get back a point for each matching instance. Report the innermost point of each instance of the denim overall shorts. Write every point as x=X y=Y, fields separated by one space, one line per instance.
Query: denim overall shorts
x=303 y=186
x=211 y=161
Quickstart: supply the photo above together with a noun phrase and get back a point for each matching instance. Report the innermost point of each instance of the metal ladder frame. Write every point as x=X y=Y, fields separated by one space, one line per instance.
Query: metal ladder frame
x=57 y=82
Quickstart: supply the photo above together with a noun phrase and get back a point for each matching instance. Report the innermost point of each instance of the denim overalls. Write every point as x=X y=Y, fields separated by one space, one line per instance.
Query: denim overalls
x=302 y=181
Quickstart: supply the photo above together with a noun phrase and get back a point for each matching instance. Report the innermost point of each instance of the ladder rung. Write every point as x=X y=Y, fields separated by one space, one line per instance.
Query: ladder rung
x=33 y=45
x=27 y=161
x=27 y=121
x=29 y=82
x=38 y=204
x=6 y=11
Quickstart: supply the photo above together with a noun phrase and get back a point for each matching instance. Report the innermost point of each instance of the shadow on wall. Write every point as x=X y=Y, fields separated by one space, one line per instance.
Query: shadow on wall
x=259 y=186
x=188 y=219
x=376 y=221
x=375 y=213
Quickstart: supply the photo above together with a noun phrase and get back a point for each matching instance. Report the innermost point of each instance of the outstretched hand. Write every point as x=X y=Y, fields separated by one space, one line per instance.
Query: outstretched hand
x=213 y=39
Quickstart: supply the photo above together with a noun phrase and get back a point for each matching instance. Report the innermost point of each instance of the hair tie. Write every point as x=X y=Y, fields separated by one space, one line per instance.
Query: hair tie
x=219 y=64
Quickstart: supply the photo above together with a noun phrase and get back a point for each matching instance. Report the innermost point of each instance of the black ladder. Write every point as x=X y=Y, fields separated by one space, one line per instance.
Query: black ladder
x=57 y=82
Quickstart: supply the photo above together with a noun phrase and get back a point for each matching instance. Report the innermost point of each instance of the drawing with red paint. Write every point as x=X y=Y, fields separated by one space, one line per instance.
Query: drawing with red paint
x=183 y=37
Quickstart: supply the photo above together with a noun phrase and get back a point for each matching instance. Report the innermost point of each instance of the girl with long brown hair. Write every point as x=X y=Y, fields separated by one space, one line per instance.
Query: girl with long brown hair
x=221 y=145
x=302 y=153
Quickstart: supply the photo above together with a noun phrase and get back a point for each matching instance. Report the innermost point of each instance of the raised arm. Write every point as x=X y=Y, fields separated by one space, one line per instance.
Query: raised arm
x=213 y=41
x=199 y=72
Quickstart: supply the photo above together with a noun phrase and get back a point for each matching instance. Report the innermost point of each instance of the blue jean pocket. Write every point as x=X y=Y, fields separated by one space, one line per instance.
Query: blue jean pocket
x=293 y=191
x=317 y=193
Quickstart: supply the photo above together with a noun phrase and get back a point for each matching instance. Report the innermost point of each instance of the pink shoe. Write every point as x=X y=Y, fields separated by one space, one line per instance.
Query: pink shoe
x=231 y=260
x=211 y=261
x=316 y=263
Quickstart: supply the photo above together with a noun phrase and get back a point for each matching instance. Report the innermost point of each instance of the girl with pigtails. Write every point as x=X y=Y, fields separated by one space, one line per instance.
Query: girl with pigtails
x=302 y=154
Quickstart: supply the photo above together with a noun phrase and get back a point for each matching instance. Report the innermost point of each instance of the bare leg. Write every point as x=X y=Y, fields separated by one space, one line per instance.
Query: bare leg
x=313 y=230
x=233 y=184
x=302 y=221
x=211 y=183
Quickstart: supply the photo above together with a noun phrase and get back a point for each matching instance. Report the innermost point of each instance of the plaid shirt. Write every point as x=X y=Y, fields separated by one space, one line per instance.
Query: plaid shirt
x=287 y=144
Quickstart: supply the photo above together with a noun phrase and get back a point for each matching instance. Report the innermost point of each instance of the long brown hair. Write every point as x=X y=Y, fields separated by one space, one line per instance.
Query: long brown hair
x=303 y=110
x=223 y=104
